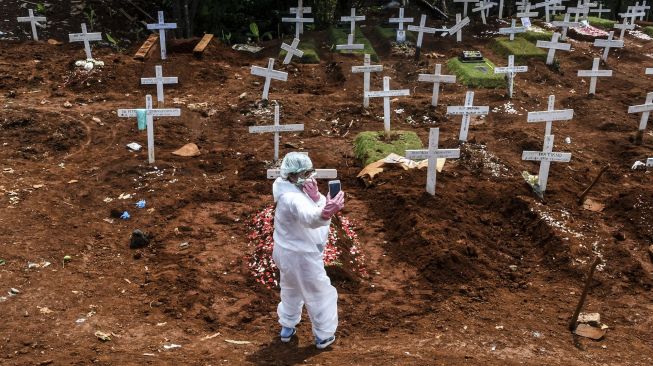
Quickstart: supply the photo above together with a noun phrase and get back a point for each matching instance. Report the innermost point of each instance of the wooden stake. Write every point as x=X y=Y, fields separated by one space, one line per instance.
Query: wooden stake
x=579 y=307
x=581 y=196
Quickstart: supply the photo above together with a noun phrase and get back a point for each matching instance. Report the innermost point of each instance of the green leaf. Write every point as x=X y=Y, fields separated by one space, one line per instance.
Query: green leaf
x=111 y=39
x=254 y=29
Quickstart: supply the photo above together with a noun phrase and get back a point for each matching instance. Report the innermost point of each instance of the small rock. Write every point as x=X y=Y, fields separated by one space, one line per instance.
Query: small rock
x=619 y=235
x=188 y=150
x=590 y=318
x=138 y=240
x=67 y=104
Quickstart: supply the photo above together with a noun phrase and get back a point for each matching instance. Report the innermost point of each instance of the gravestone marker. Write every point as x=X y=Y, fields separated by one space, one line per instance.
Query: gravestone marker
x=527 y=13
x=34 y=21
x=161 y=26
x=432 y=154
x=600 y=10
x=366 y=69
x=291 y=50
x=512 y=30
x=386 y=94
x=545 y=157
x=510 y=72
x=457 y=28
x=468 y=110
x=421 y=29
x=607 y=44
x=352 y=19
x=623 y=26
x=465 y=2
x=553 y=45
x=565 y=25
x=299 y=19
x=86 y=38
x=645 y=109
x=159 y=81
x=482 y=8
x=550 y=115
x=593 y=74
x=401 y=33
x=269 y=73
x=436 y=78
x=276 y=128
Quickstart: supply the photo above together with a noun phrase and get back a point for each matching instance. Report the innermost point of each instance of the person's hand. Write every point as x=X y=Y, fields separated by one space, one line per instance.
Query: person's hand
x=333 y=205
x=310 y=188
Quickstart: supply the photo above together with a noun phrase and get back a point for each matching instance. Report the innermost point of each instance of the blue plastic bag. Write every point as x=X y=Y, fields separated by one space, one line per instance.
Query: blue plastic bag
x=141 y=115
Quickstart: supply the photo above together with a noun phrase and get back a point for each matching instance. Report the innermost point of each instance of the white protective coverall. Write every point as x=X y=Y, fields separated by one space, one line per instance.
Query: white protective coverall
x=298 y=231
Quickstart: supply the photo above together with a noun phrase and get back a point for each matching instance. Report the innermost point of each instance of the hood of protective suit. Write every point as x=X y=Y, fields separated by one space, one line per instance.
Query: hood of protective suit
x=282 y=186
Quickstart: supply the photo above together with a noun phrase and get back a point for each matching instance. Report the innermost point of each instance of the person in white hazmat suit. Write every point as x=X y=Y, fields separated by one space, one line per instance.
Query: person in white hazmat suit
x=301 y=228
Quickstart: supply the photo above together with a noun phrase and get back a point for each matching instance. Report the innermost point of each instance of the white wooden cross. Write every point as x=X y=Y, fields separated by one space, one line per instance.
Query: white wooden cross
x=550 y=115
x=500 y=9
x=565 y=25
x=150 y=113
x=352 y=19
x=291 y=50
x=623 y=26
x=467 y=111
x=86 y=38
x=607 y=44
x=421 y=29
x=594 y=73
x=34 y=21
x=366 y=69
x=527 y=13
x=632 y=14
x=386 y=94
x=482 y=7
x=600 y=10
x=545 y=157
x=432 y=154
x=159 y=81
x=299 y=19
x=645 y=109
x=458 y=28
x=510 y=72
x=465 y=2
x=319 y=173
x=269 y=73
x=548 y=5
x=401 y=34
x=276 y=128
x=161 y=26
x=553 y=45
x=512 y=30
x=436 y=78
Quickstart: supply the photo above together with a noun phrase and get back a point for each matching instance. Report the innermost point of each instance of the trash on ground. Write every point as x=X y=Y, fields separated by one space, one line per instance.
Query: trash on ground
x=134 y=146
x=103 y=336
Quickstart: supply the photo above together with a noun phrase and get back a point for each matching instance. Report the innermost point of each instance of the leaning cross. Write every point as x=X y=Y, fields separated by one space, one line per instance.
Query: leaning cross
x=432 y=154
x=594 y=73
x=553 y=45
x=436 y=78
x=623 y=26
x=645 y=109
x=319 y=173
x=161 y=26
x=512 y=30
x=86 y=38
x=401 y=34
x=366 y=69
x=291 y=50
x=545 y=157
x=34 y=21
x=386 y=93
x=299 y=19
x=276 y=128
x=458 y=28
x=159 y=80
x=269 y=73
x=421 y=29
x=550 y=115
x=150 y=113
x=565 y=25
x=482 y=7
x=607 y=44
x=467 y=111
x=510 y=72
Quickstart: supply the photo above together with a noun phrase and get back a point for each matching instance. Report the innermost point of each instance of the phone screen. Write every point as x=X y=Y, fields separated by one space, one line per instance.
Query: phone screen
x=334 y=188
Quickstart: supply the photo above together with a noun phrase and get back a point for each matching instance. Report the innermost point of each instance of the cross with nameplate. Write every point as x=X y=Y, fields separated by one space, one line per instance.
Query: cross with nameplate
x=607 y=44
x=623 y=26
x=159 y=81
x=86 y=38
x=545 y=157
x=276 y=128
x=565 y=25
x=512 y=30
x=421 y=29
x=34 y=21
x=269 y=73
x=150 y=113
x=401 y=34
x=386 y=94
x=366 y=69
x=432 y=154
x=600 y=10
x=352 y=19
x=161 y=26
x=467 y=111
x=632 y=14
x=319 y=173
x=457 y=28
x=526 y=12
x=482 y=8
x=550 y=115
x=648 y=71
x=291 y=50
x=510 y=72
x=594 y=73
x=436 y=78
x=645 y=109
x=465 y=2
x=547 y=5
x=299 y=19
x=553 y=45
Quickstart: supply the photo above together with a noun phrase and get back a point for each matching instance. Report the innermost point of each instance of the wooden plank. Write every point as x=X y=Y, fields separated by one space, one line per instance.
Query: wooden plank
x=204 y=42
x=146 y=47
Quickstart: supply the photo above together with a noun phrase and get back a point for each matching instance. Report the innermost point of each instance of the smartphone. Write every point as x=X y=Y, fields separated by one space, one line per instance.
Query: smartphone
x=334 y=188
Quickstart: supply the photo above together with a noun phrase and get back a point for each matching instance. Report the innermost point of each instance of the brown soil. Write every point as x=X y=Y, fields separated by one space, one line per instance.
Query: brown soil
x=484 y=273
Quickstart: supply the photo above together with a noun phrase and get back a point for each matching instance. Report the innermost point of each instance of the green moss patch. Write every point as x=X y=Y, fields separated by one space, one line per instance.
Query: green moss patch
x=476 y=74
x=648 y=30
x=339 y=36
x=391 y=34
x=371 y=146
x=536 y=36
x=520 y=47
x=594 y=21
x=310 y=51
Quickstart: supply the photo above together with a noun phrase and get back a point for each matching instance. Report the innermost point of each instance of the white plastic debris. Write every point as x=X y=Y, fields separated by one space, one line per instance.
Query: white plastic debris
x=134 y=146
x=568 y=140
x=171 y=346
x=638 y=165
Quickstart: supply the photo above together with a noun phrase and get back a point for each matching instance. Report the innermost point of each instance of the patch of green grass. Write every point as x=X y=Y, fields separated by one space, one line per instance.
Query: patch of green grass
x=536 y=36
x=520 y=47
x=339 y=36
x=391 y=34
x=371 y=146
x=310 y=51
x=476 y=74
x=594 y=21
x=649 y=30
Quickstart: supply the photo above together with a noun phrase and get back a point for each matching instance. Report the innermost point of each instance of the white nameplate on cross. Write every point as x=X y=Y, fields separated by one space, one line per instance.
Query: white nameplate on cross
x=421 y=29
x=432 y=154
x=510 y=72
x=467 y=111
x=623 y=26
x=594 y=73
x=545 y=157
x=550 y=115
x=553 y=45
x=86 y=38
x=436 y=78
x=161 y=26
x=150 y=113
x=299 y=19
x=386 y=94
x=366 y=69
x=34 y=22
x=291 y=50
x=269 y=73
x=276 y=129
x=482 y=7
x=645 y=109
x=648 y=71
x=457 y=28
x=465 y=2
x=512 y=30
x=565 y=25
x=159 y=80
x=401 y=20
x=607 y=44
